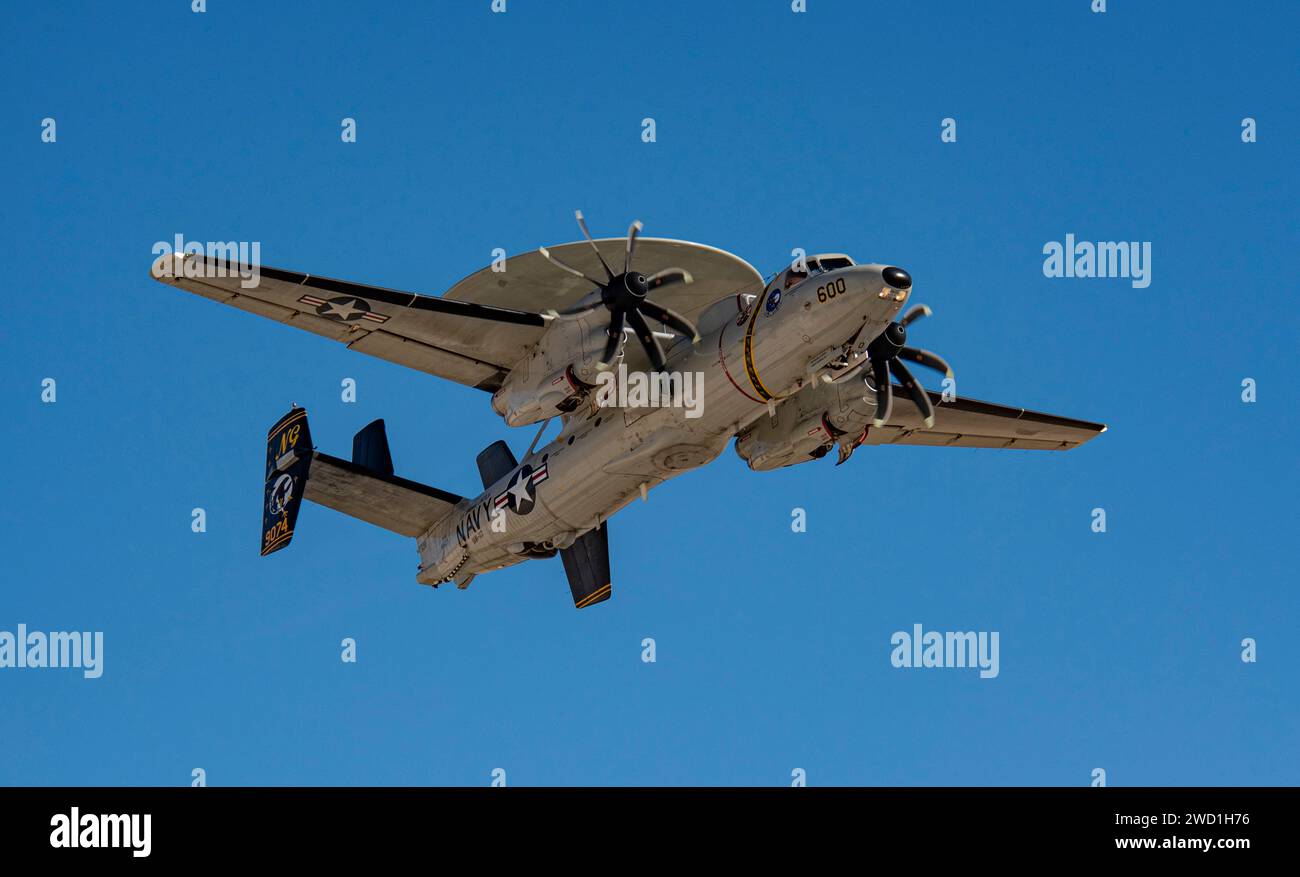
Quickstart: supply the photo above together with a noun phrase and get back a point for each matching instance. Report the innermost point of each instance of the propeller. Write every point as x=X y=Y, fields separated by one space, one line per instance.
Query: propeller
x=624 y=296
x=885 y=354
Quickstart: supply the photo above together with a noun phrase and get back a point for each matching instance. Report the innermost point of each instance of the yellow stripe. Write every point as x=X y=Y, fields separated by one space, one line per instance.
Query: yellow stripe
x=594 y=595
x=291 y=417
x=277 y=543
x=750 y=370
x=587 y=600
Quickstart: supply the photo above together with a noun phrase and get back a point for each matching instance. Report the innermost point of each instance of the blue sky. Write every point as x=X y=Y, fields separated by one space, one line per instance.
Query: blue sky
x=1118 y=650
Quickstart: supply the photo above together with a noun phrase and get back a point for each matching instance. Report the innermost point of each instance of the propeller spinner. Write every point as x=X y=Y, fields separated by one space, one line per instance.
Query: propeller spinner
x=885 y=353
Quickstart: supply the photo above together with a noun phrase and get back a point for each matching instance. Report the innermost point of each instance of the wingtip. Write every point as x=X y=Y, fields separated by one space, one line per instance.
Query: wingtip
x=167 y=267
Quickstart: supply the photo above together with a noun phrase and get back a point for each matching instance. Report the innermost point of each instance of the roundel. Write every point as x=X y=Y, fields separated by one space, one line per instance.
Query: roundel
x=521 y=493
x=344 y=309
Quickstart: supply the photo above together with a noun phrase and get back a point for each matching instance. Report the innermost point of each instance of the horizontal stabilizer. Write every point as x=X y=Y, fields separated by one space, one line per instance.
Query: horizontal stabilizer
x=387 y=501
x=364 y=487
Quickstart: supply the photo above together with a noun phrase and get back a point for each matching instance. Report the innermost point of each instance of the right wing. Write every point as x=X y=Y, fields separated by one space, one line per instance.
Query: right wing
x=479 y=330
x=466 y=342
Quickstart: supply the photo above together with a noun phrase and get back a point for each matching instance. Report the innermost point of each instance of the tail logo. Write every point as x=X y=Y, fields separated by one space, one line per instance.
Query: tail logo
x=281 y=494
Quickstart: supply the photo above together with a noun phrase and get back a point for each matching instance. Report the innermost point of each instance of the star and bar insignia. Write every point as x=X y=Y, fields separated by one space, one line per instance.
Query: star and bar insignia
x=521 y=493
x=343 y=309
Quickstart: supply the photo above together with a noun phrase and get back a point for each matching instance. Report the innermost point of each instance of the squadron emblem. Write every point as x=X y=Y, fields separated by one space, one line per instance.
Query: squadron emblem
x=281 y=493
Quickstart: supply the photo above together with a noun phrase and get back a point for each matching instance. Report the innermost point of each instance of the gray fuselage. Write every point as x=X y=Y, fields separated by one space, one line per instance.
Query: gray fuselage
x=753 y=352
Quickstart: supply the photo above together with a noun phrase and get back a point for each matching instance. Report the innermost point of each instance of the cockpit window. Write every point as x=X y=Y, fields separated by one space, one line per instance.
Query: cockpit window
x=792 y=276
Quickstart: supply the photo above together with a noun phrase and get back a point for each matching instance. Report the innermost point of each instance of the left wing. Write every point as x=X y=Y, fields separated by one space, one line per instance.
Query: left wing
x=469 y=343
x=970 y=423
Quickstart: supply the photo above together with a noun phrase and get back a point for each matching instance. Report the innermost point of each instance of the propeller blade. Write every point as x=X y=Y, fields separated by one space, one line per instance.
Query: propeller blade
x=668 y=277
x=582 y=224
x=546 y=254
x=927 y=359
x=916 y=391
x=647 y=339
x=584 y=309
x=671 y=319
x=914 y=313
x=615 y=336
x=632 y=231
x=884 y=391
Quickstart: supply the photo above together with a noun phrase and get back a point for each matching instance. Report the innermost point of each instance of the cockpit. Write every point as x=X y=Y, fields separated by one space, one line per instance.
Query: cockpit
x=794 y=274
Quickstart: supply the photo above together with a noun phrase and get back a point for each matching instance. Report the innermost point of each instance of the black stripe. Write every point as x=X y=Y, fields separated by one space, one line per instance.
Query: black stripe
x=400 y=299
x=387 y=296
x=283 y=276
x=482 y=312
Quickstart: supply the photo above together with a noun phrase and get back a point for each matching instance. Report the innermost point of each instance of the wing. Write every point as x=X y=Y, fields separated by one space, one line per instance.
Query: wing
x=475 y=333
x=970 y=423
x=471 y=344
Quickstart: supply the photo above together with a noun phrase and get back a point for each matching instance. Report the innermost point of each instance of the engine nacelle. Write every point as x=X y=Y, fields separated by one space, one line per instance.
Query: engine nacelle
x=775 y=442
x=806 y=425
x=521 y=406
x=557 y=374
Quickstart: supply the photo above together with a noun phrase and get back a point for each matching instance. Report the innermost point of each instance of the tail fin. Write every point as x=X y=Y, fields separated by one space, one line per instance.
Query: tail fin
x=288 y=458
x=586 y=563
x=370 y=448
x=494 y=461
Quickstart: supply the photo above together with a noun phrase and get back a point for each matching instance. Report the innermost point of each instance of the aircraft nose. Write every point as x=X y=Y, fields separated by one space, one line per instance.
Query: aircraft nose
x=897 y=278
